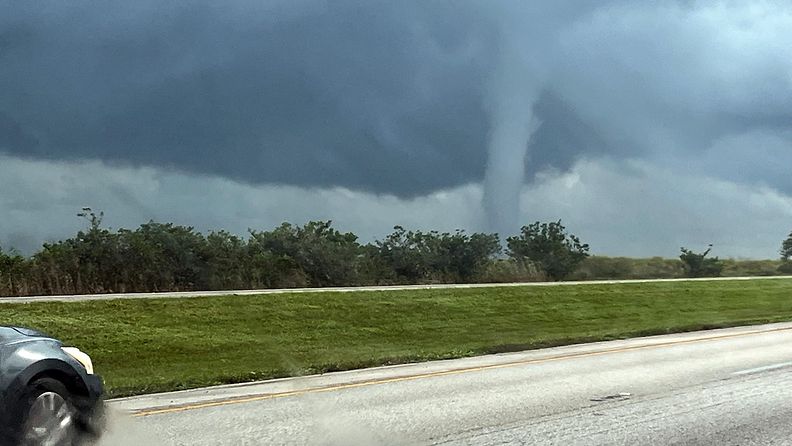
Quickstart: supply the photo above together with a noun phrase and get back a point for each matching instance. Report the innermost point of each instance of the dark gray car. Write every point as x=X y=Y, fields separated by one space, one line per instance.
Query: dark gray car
x=50 y=394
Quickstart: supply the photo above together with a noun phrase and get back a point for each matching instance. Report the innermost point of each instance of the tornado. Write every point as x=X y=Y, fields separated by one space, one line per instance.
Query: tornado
x=511 y=93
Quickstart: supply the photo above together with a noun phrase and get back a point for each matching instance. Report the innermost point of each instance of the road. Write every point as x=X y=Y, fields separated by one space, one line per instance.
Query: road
x=730 y=386
x=187 y=294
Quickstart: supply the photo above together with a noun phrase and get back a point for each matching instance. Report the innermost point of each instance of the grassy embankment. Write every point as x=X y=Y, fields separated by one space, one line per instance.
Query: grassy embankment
x=165 y=344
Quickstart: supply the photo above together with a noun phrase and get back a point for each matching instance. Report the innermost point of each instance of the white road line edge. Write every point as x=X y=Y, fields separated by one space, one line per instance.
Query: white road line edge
x=187 y=294
x=766 y=368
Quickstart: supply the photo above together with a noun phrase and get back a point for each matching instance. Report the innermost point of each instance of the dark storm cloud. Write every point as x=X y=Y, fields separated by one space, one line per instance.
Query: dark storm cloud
x=379 y=96
x=370 y=96
x=13 y=137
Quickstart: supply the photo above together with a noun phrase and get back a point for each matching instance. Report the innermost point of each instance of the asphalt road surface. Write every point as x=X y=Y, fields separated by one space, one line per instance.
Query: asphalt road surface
x=720 y=387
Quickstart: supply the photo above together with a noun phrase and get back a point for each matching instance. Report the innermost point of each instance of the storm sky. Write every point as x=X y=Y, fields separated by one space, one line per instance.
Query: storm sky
x=644 y=126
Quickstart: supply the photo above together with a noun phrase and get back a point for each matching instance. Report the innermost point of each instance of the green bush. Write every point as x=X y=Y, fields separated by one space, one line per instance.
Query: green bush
x=549 y=246
x=698 y=265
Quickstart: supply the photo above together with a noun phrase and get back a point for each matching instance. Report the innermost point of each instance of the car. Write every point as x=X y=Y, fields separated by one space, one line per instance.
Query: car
x=50 y=393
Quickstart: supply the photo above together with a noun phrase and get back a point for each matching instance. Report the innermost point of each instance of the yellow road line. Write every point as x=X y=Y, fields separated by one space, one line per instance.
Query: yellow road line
x=331 y=388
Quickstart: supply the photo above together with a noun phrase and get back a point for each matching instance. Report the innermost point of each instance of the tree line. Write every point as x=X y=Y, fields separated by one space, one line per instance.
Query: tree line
x=169 y=257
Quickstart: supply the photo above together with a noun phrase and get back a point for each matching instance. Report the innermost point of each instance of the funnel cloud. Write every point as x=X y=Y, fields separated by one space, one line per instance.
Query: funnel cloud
x=512 y=94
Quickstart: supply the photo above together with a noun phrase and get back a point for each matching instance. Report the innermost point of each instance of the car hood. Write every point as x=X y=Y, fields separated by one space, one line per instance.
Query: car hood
x=29 y=332
x=14 y=334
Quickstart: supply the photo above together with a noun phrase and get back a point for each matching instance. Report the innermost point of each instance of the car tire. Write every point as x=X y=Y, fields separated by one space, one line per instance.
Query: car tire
x=47 y=415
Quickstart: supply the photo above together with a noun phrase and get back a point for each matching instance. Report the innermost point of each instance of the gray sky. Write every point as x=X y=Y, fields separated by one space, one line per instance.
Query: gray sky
x=645 y=126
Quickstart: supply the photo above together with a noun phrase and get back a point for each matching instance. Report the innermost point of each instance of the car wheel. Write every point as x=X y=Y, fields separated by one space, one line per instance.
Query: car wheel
x=48 y=415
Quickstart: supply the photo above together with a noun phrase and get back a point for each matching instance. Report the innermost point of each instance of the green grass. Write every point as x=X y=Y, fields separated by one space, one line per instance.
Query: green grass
x=165 y=344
